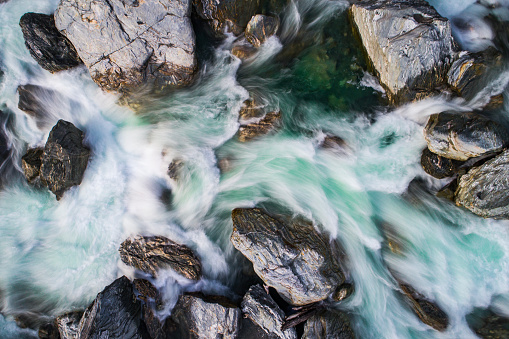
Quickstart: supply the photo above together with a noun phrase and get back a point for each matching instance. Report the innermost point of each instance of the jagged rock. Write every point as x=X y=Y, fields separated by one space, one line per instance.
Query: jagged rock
x=149 y=254
x=492 y=326
x=203 y=317
x=437 y=166
x=409 y=44
x=269 y=123
x=227 y=15
x=466 y=72
x=115 y=313
x=484 y=190
x=260 y=28
x=262 y=316
x=328 y=324
x=127 y=44
x=48 y=331
x=300 y=263
x=31 y=164
x=47 y=46
x=463 y=135
x=68 y=324
x=147 y=292
x=65 y=158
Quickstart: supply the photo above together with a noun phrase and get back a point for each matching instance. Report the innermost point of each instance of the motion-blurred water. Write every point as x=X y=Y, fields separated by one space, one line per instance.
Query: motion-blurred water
x=56 y=256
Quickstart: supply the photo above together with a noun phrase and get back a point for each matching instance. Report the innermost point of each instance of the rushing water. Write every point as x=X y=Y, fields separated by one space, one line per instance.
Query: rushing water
x=56 y=256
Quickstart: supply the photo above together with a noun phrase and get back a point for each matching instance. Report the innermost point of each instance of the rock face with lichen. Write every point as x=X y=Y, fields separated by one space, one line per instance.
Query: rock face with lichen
x=128 y=44
x=292 y=257
x=409 y=44
x=149 y=254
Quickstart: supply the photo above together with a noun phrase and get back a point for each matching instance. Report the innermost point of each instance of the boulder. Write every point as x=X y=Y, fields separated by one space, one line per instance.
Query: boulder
x=48 y=331
x=115 y=313
x=300 y=263
x=484 y=190
x=491 y=326
x=52 y=51
x=68 y=324
x=174 y=169
x=252 y=109
x=408 y=43
x=270 y=122
x=149 y=254
x=203 y=317
x=34 y=100
x=460 y=136
x=243 y=49
x=147 y=292
x=330 y=324
x=65 y=158
x=263 y=317
x=31 y=163
x=437 y=166
x=128 y=44
x=227 y=15
x=260 y=28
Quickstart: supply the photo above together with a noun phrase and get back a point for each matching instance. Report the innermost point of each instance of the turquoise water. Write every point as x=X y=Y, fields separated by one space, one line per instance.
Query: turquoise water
x=56 y=256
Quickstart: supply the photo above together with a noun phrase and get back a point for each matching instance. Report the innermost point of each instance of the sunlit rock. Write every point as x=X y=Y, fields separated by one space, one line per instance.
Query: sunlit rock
x=409 y=44
x=150 y=254
x=128 y=44
x=330 y=324
x=46 y=45
x=269 y=123
x=260 y=28
x=300 y=263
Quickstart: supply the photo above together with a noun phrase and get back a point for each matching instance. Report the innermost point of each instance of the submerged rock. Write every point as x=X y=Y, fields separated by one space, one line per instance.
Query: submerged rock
x=149 y=254
x=33 y=100
x=409 y=44
x=52 y=51
x=463 y=135
x=492 y=326
x=202 y=317
x=127 y=44
x=31 y=164
x=243 y=49
x=68 y=324
x=484 y=190
x=292 y=257
x=328 y=324
x=65 y=158
x=268 y=124
x=260 y=28
x=263 y=317
x=115 y=313
x=437 y=166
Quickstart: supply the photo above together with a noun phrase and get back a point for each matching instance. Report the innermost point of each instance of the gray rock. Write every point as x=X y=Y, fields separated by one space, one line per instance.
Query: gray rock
x=292 y=257
x=65 y=158
x=463 y=135
x=269 y=123
x=68 y=324
x=31 y=164
x=149 y=254
x=201 y=317
x=437 y=166
x=329 y=324
x=408 y=43
x=115 y=313
x=127 y=44
x=261 y=311
x=484 y=190
x=46 y=45
x=260 y=28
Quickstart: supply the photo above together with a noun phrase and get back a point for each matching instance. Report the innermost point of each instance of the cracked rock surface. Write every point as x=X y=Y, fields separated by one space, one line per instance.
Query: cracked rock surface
x=300 y=263
x=129 y=43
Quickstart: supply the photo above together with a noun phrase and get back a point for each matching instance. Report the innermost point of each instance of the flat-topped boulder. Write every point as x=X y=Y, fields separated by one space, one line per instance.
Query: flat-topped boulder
x=299 y=262
x=52 y=51
x=408 y=43
x=129 y=44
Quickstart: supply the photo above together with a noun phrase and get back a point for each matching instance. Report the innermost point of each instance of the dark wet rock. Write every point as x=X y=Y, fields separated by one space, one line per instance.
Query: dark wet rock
x=409 y=44
x=261 y=315
x=65 y=158
x=174 y=169
x=491 y=326
x=268 y=124
x=34 y=99
x=198 y=316
x=52 y=51
x=68 y=324
x=460 y=136
x=129 y=44
x=466 y=73
x=343 y=292
x=260 y=28
x=147 y=292
x=227 y=15
x=149 y=254
x=300 y=263
x=484 y=190
x=156 y=328
x=31 y=163
x=437 y=166
x=48 y=331
x=330 y=324
x=115 y=313
x=448 y=190
x=496 y=102
x=333 y=142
